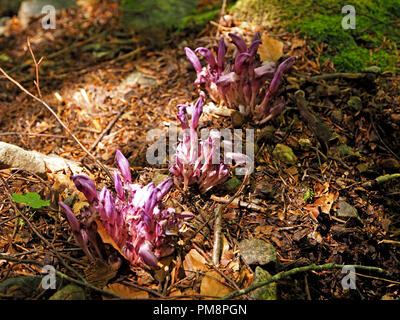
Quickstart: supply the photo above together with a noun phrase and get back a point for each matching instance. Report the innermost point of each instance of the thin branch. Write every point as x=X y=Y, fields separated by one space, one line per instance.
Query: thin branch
x=60 y=121
x=285 y=274
x=107 y=129
x=36 y=82
x=218 y=221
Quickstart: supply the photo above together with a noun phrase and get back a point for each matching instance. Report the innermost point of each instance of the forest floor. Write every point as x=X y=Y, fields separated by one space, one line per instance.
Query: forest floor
x=297 y=205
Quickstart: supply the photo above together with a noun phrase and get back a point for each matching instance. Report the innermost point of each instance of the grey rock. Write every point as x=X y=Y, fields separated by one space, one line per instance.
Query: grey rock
x=137 y=77
x=259 y=12
x=257 y=252
x=21 y=287
x=345 y=210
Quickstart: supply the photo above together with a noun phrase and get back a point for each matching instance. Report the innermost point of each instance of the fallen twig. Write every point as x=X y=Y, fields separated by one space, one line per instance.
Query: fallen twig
x=217 y=226
x=106 y=130
x=239 y=204
x=380 y=179
x=36 y=82
x=285 y=274
x=60 y=121
x=342 y=75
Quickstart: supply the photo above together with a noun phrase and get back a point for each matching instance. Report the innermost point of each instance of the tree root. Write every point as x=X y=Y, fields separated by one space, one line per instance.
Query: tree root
x=12 y=156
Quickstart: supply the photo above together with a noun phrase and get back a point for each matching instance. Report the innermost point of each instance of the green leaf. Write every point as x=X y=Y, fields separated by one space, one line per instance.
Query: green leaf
x=308 y=196
x=31 y=199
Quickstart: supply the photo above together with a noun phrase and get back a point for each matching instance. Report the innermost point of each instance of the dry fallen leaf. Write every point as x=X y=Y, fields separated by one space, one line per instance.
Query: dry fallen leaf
x=175 y=293
x=98 y=273
x=264 y=230
x=97 y=125
x=324 y=201
x=125 y=291
x=106 y=238
x=76 y=208
x=226 y=255
x=194 y=262
x=213 y=285
x=61 y=181
x=297 y=43
x=270 y=50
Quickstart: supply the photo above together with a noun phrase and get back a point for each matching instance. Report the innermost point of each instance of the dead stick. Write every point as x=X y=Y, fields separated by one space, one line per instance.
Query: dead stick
x=342 y=75
x=218 y=221
x=106 y=130
x=36 y=67
x=33 y=134
x=285 y=274
x=60 y=121
x=380 y=179
x=239 y=204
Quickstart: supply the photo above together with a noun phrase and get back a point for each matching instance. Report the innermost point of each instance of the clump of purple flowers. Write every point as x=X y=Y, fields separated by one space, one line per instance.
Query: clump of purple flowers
x=133 y=218
x=198 y=161
x=239 y=83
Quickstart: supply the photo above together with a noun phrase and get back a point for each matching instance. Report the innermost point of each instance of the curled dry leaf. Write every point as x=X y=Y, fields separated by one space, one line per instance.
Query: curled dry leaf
x=227 y=255
x=106 y=238
x=194 y=262
x=125 y=291
x=213 y=284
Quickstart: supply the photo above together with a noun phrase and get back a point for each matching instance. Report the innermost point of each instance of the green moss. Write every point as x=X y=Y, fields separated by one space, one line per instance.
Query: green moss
x=350 y=50
x=328 y=29
x=198 y=20
x=351 y=59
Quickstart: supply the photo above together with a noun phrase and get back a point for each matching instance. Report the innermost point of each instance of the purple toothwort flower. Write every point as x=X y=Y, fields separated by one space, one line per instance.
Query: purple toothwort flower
x=199 y=161
x=123 y=166
x=134 y=217
x=86 y=186
x=240 y=82
x=79 y=232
